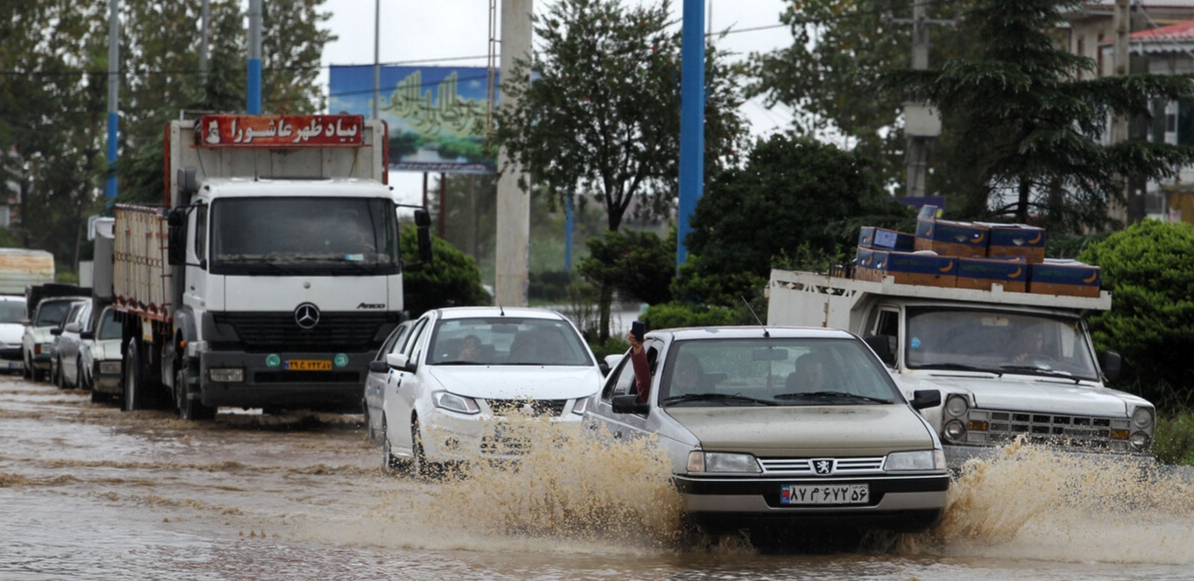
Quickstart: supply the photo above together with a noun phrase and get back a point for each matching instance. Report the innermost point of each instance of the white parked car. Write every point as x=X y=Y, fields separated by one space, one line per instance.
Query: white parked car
x=37 y=342
x=464 y=369
x=68 y=342
x=375 y=381
x=12 y=326
x=787 y=427
x=101 y=359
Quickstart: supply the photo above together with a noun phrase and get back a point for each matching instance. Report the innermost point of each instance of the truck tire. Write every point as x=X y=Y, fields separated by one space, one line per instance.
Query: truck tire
x=190 y=408
x=134 y=386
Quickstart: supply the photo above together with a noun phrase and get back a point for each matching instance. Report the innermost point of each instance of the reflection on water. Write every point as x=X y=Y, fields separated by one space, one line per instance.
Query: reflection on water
x=89 y=492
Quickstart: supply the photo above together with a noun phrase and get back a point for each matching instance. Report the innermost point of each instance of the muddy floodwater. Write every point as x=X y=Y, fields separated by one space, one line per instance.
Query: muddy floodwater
x=90 y=492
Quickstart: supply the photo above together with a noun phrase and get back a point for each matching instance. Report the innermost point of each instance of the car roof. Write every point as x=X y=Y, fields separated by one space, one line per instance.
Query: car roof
x=474 y=312
x=751 y=332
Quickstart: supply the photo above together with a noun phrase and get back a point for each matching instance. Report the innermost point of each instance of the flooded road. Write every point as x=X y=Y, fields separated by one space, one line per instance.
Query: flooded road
x=89 y=492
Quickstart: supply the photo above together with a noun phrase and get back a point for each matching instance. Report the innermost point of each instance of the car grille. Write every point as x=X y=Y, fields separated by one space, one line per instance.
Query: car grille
x=1054 y=430
x=538 y=407
x=505 y=446
x=804 y=466
x=279 y=332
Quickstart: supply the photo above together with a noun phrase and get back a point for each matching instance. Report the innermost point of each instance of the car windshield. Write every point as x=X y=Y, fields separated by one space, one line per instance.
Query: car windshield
x=51 y=313
x=774 y=372
x=108 y=327
x=12 y=311
x=998 y=342
x=507 y=341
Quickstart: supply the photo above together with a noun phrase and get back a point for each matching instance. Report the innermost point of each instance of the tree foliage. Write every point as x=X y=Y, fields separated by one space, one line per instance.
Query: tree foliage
x=603 y=112
x=793 y=197
x=638 y=264
x=450 y=280
x=1032 y=123
x=1151 y=321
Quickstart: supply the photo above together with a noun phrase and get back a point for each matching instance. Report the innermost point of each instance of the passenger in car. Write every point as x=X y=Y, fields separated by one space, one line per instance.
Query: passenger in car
x=524 y=349
x=811 y=375
x=470 y=349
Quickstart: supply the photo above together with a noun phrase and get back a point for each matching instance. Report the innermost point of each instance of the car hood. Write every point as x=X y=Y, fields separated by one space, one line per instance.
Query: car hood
x=41 y=334
x=11 y=333
x=512 y=382
x=798 y=431
x=105 y=350
x=1014 y=393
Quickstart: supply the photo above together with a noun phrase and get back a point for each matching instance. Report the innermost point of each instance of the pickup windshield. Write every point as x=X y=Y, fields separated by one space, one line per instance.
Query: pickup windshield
x=774 y=372
x=304 y=236
x=998 y=342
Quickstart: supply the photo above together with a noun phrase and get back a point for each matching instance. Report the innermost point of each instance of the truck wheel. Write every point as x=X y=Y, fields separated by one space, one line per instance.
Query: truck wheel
x=190 y=408
x=81 y=381
x=133 y=386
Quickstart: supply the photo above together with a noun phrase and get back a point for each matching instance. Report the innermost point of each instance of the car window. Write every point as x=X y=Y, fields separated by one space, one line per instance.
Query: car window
x=777 y=371
x=108 y=327
x=394 y=342
x=413 y=346
x=508 y=340
x=51 y=313
x=12 y=311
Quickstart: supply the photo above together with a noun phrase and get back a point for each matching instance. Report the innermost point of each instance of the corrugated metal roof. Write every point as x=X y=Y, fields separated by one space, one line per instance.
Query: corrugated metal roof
x=1179 y=31
x=1145 y=3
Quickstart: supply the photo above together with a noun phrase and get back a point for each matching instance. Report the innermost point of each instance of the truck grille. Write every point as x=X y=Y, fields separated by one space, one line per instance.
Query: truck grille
x=1053 y=430
x=537 y=408
x=804 y=466
x=280 y=332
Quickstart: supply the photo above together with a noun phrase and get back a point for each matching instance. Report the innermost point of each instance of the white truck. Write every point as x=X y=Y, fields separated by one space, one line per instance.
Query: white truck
x=270 y=275
x=967 y=343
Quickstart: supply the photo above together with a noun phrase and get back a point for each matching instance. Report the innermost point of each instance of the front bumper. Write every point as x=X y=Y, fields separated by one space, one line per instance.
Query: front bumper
x=109 y=383
x=268 y=383
x=453 y=437
x=905 y=503
x=957 y=456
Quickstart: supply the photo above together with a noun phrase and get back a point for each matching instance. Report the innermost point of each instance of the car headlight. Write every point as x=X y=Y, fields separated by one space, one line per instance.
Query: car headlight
x=699 y=461
x=1142 y=418
x=918 y=460
x=456 y=403
x=580 y=406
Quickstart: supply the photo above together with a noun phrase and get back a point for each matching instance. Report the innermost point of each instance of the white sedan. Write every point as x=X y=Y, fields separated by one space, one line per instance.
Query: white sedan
x=464 y=369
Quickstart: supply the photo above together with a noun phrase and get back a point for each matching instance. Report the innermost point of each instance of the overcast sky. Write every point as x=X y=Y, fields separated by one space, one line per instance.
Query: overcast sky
x=444 y=31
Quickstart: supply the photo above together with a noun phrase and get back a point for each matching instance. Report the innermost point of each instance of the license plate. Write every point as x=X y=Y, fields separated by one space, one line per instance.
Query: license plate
x=16 y=365
x=825 y=494
x=309 y=365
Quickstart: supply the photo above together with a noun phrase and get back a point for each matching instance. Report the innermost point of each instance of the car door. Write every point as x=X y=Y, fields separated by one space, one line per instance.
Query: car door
x=70 y=344
x=403 y=386
x=375 y=382
x=621 y=381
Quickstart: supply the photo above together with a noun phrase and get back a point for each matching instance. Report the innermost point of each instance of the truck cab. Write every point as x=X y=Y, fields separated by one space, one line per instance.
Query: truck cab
x=1010 y=366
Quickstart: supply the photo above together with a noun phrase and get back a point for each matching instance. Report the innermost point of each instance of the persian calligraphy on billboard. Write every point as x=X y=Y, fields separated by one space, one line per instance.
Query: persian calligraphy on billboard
x=436 y=115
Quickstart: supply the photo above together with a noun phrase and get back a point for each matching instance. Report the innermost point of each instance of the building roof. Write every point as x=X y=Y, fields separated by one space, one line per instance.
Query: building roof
x=1180 y=31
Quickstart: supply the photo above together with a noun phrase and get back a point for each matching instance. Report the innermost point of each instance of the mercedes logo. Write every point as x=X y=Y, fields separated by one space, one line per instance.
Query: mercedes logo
x=823 y=466
x=306 y=315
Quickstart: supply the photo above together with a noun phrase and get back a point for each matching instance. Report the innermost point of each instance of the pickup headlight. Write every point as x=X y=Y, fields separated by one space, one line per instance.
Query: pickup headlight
x=918 y=460
x=1142 y=418
x=455 y=403
x=699 y=461
x=109 y=367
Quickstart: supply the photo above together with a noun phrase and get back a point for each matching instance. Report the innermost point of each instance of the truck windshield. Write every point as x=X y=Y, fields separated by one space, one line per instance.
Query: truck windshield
x=302 y=236
x=999 y=342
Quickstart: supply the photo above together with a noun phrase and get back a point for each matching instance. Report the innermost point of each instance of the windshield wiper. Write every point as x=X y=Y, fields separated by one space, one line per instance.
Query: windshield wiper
x=711 y=397
x=832 y=394
x=459 y=362
x=958 y=367
x=1040 y=371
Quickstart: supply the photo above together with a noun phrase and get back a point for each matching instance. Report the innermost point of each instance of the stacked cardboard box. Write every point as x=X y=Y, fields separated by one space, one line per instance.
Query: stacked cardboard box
x=973 y=255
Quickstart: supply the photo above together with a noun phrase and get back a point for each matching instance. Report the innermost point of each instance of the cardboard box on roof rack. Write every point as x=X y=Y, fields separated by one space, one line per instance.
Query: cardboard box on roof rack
x=982 y=273
x=912 y=268
x=950 y=238
x=885 y=239
x=1016 y=240
x=1064 y=277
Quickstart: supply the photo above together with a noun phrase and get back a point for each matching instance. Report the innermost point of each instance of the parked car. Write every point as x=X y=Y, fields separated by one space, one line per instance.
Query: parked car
x=64 y=347
x=100 y=357
x=464 y=369
x=37 y=341
x=375 y=382
x=12 y=326
x=780 y=426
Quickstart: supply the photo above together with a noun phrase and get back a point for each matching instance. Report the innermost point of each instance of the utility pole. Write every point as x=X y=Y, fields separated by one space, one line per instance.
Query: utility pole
x=113 y=96
x=922 y=124
x=203 y=36
x=692 y=120
x=513 y=204
x=376 y=56
x=253 y=97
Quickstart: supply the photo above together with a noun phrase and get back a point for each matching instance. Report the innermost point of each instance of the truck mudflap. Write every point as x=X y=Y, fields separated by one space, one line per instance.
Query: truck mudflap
x=324 y=381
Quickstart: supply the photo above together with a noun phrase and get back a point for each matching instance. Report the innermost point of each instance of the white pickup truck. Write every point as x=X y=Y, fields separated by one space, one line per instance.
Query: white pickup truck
x=970 y=345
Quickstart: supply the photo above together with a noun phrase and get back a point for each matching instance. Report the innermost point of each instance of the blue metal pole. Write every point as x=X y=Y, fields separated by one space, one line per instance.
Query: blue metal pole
x=113 y=94
x=568 y=233
x=692 y=118
x=253 y=101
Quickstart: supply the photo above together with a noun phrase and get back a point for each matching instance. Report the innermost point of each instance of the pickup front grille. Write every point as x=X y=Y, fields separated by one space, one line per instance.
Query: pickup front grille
x=280 y=332
x=804 y=466
x=1053 y=430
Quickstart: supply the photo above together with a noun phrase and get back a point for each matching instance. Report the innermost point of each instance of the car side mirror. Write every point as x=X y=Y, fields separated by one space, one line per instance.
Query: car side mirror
x=1112 y=364
x=398 y=361
x=629 y=404
x=56 y=331
x=925 y=398
x=379 y=367
x=87 y=335
x=604 y=367
x=73 y=328
x=884 y=347
x=26 y=322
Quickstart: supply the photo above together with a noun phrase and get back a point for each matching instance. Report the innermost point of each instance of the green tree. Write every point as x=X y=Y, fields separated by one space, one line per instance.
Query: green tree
x=1151 y=321
x=793 y=198
x=603 y=112
x=450 y=280
x=1032 y=123
x=638 y=263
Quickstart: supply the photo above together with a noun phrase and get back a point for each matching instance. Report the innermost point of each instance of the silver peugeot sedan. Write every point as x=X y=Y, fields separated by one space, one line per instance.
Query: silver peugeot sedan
x=780 y=426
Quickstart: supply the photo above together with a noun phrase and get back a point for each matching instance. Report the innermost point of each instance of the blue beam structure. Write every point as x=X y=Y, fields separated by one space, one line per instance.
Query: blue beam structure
x=692 y=119
x=253 y=95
